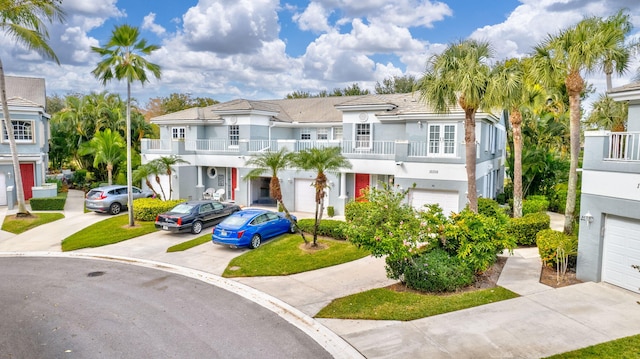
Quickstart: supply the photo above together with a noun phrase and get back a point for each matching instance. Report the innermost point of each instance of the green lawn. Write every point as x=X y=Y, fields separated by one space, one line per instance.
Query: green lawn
x=17 y=225
x=109 y=231
x=190 y=244
x=284 y=255
x=624 y=348
x=387 y=304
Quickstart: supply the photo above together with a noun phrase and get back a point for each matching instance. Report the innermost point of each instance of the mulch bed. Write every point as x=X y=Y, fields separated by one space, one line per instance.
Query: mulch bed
x=549 y=277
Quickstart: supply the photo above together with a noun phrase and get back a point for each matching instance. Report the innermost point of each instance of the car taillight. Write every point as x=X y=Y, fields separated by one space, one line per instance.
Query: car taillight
x=157 y=218
x=213 y=230
x=240 y=233
x=179 y=221
x=102 y=195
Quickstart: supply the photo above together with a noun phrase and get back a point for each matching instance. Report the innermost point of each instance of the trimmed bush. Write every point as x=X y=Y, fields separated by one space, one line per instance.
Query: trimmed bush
x=490 y=208
x=535 y=204
x=549 y=241
x=328 y=227
x=354 y=210
x=434 y=271
x=48 y=203
x=146 y=209
x=525 y=229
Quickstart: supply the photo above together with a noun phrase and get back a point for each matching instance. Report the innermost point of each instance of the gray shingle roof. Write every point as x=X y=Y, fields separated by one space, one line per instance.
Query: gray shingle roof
x=634 y=86
x=28 y=88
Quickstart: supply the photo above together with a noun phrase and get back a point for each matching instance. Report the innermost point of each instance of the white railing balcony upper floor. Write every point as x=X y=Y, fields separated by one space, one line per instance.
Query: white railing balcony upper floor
x=368 y=147
x=624 y=146
x=211 y=145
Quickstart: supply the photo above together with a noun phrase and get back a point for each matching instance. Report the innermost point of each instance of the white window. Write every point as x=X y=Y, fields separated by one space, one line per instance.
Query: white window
x=22 y=131
x=234 y=135
x=178 y=133
x=305 y=134
x=323 y=134
x=363 y=135
x=337 y=133
x=442 y=140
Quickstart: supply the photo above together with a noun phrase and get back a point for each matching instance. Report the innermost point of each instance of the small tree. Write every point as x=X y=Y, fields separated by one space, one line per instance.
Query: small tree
x=144 y=172
x=106 y=148
x=165 y=164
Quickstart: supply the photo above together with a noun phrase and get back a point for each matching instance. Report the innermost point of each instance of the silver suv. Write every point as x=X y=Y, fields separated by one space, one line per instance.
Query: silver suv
x=112 y=199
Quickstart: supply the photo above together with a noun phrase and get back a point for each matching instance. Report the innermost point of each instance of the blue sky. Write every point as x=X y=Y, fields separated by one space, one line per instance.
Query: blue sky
x=265 y=49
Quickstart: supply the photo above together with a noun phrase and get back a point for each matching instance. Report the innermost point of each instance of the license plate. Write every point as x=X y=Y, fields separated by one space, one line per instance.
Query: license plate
x=166 y=228
x=223 y=233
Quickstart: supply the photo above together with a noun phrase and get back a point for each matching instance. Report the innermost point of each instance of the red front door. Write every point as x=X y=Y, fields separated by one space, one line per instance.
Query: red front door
x=362 y=182
x=28 y=178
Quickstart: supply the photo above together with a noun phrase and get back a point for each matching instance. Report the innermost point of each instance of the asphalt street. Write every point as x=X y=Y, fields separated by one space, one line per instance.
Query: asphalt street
x=80 y=308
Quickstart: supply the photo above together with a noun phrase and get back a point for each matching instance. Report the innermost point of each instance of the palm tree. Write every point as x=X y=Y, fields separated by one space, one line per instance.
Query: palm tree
x=106 y=147
x=617 y=54
x=511 y=90
x=567 y=55
x=123 y=58
x=273 y=162
x=460 y=75
x=23 y=21
x=165 y=165
x=144 y=172
x=607 y=114
x=321 y=160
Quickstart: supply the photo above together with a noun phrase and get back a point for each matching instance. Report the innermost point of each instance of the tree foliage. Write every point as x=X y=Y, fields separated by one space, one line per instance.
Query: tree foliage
x=396 y=84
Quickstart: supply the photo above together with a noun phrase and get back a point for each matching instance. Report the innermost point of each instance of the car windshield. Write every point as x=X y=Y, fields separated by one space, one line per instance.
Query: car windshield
x=236 y=221
x=182 y=208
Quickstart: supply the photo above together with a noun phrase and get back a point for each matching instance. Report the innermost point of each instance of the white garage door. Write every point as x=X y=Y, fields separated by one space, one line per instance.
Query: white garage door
x=621 y=251
x=305 y=196
x=448 y=201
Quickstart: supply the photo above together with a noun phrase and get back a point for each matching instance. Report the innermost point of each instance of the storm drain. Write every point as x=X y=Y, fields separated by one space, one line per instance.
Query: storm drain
x=95 y=274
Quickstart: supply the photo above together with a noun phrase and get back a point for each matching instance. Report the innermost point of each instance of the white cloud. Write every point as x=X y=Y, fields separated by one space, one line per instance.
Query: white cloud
x=314 y=18
x=148 y=23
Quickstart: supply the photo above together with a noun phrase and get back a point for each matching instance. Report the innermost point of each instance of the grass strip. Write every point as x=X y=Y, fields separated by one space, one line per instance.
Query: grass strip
x=19 y=225
x=387 y=304
x=190 y=244
x=109 y=231
x=287 y=255
x=623 y=348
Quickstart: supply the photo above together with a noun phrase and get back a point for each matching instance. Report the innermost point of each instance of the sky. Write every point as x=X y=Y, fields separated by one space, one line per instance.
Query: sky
x=266 y=49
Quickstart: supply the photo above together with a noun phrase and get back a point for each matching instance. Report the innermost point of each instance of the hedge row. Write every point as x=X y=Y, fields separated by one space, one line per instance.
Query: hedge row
x=48 y=203
x=328 y=227
x=146 y=209
x=525 y=229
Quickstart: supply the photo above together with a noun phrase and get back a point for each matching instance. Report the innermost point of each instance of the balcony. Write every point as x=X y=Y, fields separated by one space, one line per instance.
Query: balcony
x=607 y=151
x=624 y=146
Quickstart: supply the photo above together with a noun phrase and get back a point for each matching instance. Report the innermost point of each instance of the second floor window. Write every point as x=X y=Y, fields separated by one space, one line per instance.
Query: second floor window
x=305 y=134
x=178 y=133
x=363 y=135
x=337 y=133
x=22 y=131
x=323 y=134
x=234 y=135
x=442 y=140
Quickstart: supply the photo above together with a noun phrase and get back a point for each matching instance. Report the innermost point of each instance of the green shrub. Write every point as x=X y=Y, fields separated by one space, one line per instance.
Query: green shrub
x=525 y=229
x=476 y=239
x=146 y=209
x=331 y=211
x=328 y=227
x=48 y=203
x=549 y=241
x=435 y=271
x=558 y=196
x=534 y=204
x=354 y=210
x=79 y=178
x=57 y=182
x=490 y=208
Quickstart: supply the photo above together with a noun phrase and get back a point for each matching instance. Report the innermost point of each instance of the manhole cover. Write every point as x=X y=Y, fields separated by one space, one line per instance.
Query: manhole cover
x=95 y=274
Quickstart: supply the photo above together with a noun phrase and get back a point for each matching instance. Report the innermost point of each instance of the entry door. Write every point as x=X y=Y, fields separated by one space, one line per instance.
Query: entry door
x=28 y=179
x=362 y=182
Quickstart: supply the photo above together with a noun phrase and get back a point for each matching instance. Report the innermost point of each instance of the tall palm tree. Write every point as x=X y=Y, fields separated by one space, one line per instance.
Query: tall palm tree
x=24 y=22
x=123 y=58
x=321 y=160
x=607 y=114
x=144 y=172
x=166 y=165
x=460 y=75
x=617 y=54
x=107 y=148
x=273 y=162
x=568 y=55
x=511 y=90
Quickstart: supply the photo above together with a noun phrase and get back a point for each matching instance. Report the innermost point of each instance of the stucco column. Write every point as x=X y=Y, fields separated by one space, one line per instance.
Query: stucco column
x=200 y=177
x=343 y=185
x=199 y=186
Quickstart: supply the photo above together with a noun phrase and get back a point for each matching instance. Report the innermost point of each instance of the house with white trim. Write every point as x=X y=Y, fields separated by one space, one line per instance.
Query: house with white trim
x=609 y=235
x=26 y=97
x=394 y=139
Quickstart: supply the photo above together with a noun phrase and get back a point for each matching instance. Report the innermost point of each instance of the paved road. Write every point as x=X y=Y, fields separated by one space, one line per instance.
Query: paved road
x=80 y=308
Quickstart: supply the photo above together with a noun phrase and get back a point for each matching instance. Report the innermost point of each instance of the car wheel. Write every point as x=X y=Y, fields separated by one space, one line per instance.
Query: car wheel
x=196 y=228
x=292 y=228
x=255 y=241
x=115 y=208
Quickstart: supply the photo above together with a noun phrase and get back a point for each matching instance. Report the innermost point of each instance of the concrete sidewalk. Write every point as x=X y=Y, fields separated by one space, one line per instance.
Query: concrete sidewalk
x=543 y=321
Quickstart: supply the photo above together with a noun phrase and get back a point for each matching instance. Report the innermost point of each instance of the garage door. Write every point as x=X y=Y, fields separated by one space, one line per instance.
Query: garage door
x=448 y=201
x=305 y=196
x=621 y=251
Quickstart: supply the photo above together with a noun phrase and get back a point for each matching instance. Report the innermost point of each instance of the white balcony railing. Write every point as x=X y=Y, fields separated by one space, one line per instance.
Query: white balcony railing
x=368 y=147
x=624 y=146
x=210 y=145
x=148 y=144
x=307 y=144
x=262 y=145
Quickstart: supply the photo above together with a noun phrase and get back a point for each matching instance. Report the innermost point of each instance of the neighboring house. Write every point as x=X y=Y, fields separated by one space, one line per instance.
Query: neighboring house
x=27 y=100
x=609 y=237
x=393 y=139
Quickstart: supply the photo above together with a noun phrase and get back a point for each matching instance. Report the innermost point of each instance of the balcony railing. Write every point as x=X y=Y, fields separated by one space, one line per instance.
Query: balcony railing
x=262 y=145
x=307 y=144
x=624 y=146
x=210 y=145
x=149 y=144
x=368 y=147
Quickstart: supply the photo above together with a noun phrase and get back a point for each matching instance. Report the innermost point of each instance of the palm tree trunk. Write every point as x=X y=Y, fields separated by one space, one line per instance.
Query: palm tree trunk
x=516 y=125
x=155 y=194
x=164 y=196
x=110 y=173
x=129 y=175
x=8 y=125
x=470 y=157
x=574 y=129
x=276 y=192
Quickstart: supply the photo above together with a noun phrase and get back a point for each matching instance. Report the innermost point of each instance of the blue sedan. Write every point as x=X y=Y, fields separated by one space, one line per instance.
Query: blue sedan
x=249 y=227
